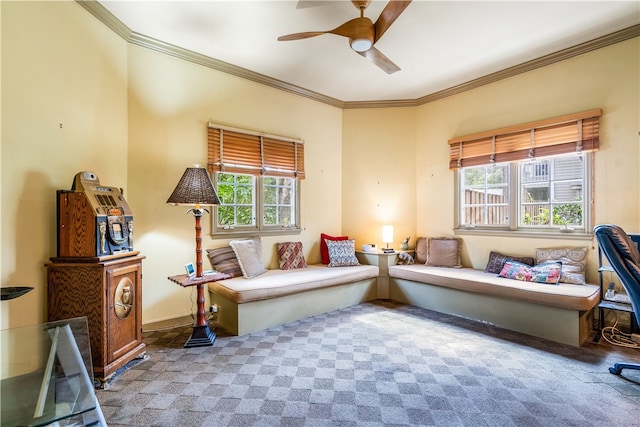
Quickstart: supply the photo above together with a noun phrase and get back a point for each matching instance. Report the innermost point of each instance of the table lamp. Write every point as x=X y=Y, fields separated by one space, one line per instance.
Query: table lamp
x=387 y=236
x=196 y=189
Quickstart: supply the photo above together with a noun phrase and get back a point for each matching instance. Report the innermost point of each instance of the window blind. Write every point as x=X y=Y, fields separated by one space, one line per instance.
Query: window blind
x=241 y=151
x=571 y=133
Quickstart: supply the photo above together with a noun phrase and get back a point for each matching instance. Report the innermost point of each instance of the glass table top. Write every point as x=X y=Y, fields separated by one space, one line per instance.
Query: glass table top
x=45 y=373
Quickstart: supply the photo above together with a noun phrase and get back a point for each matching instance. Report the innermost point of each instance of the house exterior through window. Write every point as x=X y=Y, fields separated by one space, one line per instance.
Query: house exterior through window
x=530 y=178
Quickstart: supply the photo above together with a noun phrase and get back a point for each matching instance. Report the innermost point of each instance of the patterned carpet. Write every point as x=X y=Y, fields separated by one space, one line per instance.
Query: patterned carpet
x=374 y=364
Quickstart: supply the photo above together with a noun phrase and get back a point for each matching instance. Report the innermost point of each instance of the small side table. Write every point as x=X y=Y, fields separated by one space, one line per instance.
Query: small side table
x=202 y=335
x=383 y=261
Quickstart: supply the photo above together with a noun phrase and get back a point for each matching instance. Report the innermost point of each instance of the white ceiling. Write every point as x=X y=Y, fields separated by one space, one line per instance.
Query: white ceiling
x=437 y=44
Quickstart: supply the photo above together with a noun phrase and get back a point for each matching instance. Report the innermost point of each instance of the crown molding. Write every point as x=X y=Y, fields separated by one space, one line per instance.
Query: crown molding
x=113 y=23
x=206 y=61
x=604 y=41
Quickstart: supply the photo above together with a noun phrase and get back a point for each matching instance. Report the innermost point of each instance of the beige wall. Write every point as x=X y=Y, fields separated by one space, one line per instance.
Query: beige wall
x=607 y=78
x=137 y=118
x=64 y=110
x=379 y=174
x=170 y=103
x=378 y=150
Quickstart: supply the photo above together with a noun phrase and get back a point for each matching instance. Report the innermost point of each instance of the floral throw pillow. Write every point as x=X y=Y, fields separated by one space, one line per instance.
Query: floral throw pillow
x=548 y=272
x=342 y=253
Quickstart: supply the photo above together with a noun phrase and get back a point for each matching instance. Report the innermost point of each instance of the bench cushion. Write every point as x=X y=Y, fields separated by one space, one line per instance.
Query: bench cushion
x=563 y=295
x=276 y=283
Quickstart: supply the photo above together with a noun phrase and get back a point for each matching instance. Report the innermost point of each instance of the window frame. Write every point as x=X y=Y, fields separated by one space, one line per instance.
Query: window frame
x=259 y=155
x=258 y=228
x=513 y=228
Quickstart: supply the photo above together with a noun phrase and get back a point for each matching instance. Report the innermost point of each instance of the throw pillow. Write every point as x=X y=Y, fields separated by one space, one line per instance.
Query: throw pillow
x=497 y=260
x=225 y=261
x=421 y=250
x=249 y=254
x=548 y=272
x=444 y=252
x=290 y=255
x=574 y=262
x=342 y=253
x=324 y=251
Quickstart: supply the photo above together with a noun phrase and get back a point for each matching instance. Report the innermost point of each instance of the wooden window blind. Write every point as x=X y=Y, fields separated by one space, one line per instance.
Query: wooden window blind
x=241 y=151
x=571 y=133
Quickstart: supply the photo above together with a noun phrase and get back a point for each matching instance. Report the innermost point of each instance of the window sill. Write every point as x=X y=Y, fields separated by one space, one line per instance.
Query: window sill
x=560 y=235
x=231 y=234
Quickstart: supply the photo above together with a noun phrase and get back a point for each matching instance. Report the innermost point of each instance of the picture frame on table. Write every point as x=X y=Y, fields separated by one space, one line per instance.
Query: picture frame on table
x=191 y=271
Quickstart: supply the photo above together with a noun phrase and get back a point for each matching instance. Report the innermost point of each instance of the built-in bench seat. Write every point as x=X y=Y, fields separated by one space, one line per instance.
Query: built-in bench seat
x=281 y=296
x=561 y=312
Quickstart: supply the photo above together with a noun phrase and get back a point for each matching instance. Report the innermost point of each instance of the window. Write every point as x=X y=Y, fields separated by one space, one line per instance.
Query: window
x=547 y=195
x=257 y=177
x=532 y=178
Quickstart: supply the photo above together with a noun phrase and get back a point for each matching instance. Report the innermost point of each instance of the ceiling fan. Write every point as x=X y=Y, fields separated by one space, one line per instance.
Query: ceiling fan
x=362 y=33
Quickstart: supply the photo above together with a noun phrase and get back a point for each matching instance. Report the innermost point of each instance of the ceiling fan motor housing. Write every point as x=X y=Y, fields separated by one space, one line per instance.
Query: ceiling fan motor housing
x=364 y=34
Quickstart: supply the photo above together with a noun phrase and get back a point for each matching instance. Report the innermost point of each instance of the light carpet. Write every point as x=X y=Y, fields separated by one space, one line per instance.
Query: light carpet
x=374 y=364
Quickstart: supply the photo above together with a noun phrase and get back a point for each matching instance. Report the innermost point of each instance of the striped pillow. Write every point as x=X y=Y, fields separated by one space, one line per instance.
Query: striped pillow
x=224 y=260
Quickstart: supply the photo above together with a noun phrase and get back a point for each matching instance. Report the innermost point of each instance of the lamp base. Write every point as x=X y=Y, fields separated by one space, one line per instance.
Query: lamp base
x=201 y=336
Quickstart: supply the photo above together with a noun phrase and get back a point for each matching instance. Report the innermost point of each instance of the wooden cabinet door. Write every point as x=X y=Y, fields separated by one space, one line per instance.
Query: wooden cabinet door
x=123 y=301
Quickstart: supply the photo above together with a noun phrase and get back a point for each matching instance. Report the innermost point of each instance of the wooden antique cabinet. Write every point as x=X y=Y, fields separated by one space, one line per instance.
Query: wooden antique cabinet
x=109 y=293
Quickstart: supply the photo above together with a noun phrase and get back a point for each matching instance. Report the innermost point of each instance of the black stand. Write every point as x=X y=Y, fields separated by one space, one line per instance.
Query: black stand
x=201 y=336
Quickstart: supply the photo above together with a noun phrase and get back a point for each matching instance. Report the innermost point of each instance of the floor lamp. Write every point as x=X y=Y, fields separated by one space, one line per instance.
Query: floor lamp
x=196 y=189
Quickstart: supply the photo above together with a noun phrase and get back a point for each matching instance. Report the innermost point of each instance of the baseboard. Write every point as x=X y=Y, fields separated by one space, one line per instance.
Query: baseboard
x=167 y=323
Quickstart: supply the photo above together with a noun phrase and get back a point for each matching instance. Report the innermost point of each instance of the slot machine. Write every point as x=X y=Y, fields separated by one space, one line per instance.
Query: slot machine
x=97 y=273
x=94 y=220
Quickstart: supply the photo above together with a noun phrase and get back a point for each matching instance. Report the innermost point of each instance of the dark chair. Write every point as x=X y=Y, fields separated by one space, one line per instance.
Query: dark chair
x=622 y=253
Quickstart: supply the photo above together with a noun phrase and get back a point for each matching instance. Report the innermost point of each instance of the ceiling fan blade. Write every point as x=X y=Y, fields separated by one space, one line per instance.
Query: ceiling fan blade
x=389 y=14
x=379 y=59
x=299 y=36
x=353 y=28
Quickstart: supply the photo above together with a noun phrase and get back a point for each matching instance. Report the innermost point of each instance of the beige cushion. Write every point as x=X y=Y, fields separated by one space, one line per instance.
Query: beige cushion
x=277 y=283
x=568 y=296
x=421 y=250
x=443 y=252
x=249 y=254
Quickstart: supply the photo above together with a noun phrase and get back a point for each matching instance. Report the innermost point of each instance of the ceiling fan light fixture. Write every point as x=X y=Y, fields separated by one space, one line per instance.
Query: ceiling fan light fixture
x=360 y=44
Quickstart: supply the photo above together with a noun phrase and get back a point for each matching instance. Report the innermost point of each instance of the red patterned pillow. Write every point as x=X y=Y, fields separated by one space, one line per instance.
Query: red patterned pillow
x=324 y=250
x=290 y=255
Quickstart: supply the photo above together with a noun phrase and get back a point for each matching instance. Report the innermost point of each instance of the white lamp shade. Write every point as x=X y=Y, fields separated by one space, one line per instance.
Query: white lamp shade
x=387 y=233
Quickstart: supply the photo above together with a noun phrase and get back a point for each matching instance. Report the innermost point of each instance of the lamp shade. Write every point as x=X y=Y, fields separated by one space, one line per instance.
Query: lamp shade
x=194 y=189
x=387 y=234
